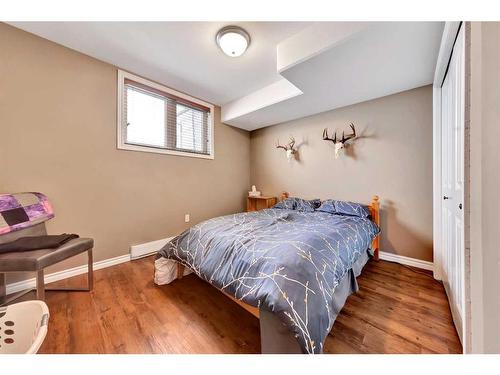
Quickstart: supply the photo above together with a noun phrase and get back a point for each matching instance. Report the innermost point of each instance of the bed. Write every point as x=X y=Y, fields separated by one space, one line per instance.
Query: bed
x=293 y=269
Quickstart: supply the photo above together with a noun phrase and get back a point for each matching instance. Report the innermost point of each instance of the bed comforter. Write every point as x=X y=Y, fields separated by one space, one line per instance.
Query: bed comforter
x=285 y=261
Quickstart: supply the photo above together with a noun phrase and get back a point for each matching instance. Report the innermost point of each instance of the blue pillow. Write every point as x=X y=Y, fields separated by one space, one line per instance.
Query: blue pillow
x=316 y=203
x=286 y=204
x=298 y=204
x=333 y=206
x=352 y=209
x=328 y=206
x=305 y=206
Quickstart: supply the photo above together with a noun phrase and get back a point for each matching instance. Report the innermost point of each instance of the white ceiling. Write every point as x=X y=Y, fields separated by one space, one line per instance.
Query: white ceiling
x=182 y=55
x=291 y=70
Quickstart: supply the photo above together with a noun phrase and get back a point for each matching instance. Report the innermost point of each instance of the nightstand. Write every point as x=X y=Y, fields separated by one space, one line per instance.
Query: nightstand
x=259 y=203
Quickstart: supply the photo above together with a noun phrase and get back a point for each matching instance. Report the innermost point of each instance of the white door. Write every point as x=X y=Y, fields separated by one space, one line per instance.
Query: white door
x=452 y=169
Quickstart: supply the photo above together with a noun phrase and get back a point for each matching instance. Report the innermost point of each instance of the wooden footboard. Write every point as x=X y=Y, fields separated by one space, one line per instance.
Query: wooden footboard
x=252 y=310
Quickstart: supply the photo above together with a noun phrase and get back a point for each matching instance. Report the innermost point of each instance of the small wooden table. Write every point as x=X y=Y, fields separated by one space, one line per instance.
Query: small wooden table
x=259 y=203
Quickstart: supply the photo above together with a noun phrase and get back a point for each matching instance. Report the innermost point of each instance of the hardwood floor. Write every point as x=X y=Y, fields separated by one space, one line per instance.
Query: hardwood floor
x=395 y=311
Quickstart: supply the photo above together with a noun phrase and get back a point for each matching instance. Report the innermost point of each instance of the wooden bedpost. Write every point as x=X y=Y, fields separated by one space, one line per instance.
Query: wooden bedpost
x=375 y=213
x=180 y=270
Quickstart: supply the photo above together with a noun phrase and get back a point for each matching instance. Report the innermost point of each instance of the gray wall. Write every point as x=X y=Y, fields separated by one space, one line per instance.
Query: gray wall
x=58 y=136
x=392 y=157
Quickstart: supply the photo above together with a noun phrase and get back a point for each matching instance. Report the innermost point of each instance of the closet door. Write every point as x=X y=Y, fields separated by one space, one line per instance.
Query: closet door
x=452 y=169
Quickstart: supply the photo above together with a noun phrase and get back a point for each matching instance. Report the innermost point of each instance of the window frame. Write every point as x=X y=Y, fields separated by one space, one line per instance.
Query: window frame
x=121 y=143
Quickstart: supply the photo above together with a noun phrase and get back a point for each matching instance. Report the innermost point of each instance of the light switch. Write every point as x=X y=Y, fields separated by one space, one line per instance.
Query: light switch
x=186 y=218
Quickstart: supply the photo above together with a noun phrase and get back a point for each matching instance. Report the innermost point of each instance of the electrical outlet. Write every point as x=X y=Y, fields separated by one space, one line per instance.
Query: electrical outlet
x=186 y=218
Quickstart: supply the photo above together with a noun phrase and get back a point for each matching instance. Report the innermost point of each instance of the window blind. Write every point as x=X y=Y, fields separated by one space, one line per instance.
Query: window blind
x=153 y=118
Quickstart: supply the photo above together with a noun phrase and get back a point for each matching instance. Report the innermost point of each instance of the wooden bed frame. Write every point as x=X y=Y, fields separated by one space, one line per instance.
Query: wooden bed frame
x=374 y=207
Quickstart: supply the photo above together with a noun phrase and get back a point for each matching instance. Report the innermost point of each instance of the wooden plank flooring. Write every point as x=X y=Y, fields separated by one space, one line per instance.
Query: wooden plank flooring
x=396 y=311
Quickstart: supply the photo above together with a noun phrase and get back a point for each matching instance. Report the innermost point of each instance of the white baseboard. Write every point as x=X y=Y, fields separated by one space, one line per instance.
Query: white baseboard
x=60 y=275
x=423 y=264
x=148 y=248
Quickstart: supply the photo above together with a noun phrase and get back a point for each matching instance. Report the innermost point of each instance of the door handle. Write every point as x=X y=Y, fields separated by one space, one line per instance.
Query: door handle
x=445 y=197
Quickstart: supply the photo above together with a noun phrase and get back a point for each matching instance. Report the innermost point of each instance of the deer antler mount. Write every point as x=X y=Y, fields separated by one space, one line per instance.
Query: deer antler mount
x=340 y=144
x=289 y=148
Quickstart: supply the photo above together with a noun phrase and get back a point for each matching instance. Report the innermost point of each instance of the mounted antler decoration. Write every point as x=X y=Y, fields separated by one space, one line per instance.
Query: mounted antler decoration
x=340 y=143
x=289 y=148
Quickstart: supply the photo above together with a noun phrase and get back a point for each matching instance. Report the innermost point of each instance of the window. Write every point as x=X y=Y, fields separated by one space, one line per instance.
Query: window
x=154 y=118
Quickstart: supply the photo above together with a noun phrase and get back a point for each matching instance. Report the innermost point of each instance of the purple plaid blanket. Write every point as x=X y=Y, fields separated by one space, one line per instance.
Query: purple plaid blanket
x=22 y=210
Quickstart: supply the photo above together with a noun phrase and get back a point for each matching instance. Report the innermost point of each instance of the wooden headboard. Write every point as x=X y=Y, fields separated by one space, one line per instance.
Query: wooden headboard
x=374 y=207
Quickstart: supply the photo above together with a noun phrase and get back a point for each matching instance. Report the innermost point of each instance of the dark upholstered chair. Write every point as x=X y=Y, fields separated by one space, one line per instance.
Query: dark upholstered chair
x=37 y=260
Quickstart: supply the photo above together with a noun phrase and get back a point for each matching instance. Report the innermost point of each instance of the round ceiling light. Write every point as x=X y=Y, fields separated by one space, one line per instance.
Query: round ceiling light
x=233 y=40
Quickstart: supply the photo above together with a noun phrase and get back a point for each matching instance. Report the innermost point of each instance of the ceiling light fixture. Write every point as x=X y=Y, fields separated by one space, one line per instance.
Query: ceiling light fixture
x=233 y=40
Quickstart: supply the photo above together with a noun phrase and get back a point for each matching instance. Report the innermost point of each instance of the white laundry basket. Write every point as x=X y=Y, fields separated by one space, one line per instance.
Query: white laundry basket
x=23 y=327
